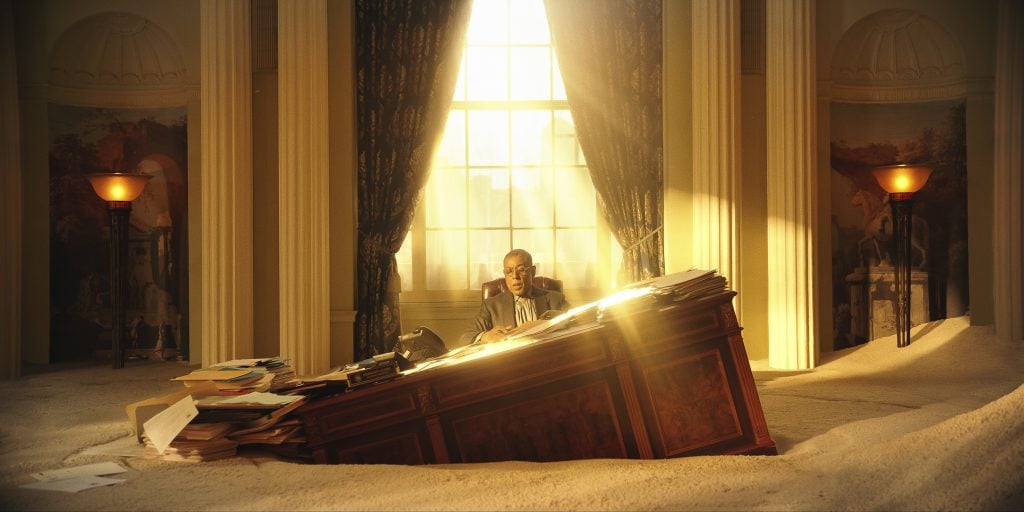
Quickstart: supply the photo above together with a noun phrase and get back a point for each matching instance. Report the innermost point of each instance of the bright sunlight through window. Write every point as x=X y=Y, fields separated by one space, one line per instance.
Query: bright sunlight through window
x=509 y=171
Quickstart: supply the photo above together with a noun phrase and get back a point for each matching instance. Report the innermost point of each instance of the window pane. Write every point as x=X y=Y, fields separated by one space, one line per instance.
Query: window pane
x=404 y=257
x=532 y=77
x=489 y=247
x=577 y=203
x=532 y=198
x=540 y=243
x=567 y=148
x=453 y=142
x=460 y=84
x=488 y=198
x=488 y=132
x=446 y=260
x=577 y=257
x=487 y=76
x=558 y=87
x=529 y=23
x=531 y=137
x=488 y=24
x=445 y=200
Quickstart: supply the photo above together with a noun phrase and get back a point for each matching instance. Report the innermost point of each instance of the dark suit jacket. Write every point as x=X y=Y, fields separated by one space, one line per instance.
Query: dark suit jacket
x=501 y=310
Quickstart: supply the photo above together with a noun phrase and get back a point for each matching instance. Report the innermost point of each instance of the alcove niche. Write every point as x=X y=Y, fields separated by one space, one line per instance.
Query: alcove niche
x=117 y=100
x=898 y=95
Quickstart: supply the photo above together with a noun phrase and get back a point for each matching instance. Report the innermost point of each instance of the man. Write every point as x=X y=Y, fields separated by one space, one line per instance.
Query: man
x=522 y=302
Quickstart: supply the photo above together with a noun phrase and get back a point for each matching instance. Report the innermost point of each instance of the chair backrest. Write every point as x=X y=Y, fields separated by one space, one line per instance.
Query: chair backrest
x=492 y=288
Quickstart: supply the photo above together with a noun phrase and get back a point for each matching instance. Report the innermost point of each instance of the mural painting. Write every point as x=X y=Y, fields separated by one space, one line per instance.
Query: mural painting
x=869 y=135
x=85 y=140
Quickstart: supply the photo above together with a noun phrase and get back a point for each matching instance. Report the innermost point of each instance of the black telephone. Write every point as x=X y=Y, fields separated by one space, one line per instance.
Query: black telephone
x=420 y=344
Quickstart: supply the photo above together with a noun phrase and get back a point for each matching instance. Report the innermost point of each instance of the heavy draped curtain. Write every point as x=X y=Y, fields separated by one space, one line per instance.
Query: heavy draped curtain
x=609 y=52
x=407 y=63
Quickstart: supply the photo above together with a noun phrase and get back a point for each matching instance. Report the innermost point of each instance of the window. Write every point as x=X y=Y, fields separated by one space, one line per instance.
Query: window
x=509 y=171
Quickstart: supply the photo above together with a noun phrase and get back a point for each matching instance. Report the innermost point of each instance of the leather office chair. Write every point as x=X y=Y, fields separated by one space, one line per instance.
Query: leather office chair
x=492 y=288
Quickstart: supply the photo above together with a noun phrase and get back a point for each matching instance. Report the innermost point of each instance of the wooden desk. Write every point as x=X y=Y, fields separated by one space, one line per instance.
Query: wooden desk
x=658 y=383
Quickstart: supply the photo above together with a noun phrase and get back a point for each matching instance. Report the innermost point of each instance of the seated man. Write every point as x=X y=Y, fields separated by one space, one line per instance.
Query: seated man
x=522 y=302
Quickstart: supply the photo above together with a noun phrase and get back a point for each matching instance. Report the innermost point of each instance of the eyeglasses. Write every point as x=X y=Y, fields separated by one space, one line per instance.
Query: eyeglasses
x=519 y=271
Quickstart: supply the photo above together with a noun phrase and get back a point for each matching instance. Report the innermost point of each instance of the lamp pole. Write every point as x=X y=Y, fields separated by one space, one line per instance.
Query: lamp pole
x=902 y=207
x=120 y=212
x=901 y=181
x=118 y=189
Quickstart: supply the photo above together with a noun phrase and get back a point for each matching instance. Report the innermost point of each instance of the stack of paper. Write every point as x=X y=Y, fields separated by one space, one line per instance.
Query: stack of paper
x=229 y=382
x=282 y=372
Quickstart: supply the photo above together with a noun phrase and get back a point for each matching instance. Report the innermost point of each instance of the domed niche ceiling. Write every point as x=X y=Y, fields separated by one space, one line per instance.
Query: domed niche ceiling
x=116 y=50
x=897 y=46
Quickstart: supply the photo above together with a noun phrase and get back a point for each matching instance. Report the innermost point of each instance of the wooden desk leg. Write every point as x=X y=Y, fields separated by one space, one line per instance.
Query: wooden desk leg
x=636 y=416
x=437 y=440
x=762 y=440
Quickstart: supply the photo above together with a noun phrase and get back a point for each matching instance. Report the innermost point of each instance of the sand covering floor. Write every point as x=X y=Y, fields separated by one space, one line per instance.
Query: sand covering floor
x=938 y=425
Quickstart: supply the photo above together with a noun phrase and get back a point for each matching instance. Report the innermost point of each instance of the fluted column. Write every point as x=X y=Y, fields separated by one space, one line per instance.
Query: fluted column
x=1008 y=184
x=303 y=182
x=716 y=137
x=226 y=175
x=10 y=200
x=792 y=183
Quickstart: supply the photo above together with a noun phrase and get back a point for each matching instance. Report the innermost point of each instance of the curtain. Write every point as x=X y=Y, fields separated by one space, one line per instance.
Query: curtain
x=609 y=52
x=407 y=63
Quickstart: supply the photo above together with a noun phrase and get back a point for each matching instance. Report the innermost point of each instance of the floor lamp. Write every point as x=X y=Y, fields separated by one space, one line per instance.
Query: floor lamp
x=901 y=181
x=118 y=189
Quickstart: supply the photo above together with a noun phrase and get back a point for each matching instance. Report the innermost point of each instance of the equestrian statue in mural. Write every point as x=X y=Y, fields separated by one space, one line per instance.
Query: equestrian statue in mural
x=878 y=228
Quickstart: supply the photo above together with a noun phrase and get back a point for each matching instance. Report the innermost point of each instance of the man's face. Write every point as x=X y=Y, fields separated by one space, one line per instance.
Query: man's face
x=518 y=275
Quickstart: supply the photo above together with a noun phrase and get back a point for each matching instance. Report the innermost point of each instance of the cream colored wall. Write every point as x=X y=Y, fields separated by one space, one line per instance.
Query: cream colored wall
x=754 y=222
x=265 y=305
x=973 y=24
x=341 y=80
x=677 y=132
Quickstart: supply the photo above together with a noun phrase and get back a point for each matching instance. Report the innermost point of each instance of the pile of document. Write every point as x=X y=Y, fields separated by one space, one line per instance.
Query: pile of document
x=222 y=408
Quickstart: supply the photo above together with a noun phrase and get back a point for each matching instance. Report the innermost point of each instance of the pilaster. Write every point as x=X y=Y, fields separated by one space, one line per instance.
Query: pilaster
x=792 y=183
x=226 y=177
x=303 y=185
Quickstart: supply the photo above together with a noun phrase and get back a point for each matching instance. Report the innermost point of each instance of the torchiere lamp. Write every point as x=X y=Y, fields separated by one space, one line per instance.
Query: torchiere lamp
x=901 y=181
x=118 y=189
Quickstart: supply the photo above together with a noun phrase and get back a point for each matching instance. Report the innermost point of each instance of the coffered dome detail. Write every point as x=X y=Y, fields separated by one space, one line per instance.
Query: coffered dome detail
x=116 y=50
x=901 y=49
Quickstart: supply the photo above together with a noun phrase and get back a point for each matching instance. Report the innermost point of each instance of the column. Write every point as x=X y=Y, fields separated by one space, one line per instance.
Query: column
x=304 y=185
x=1008 y=186
x=10 y=200
x=226 y=179
x=716 y=137
x=792 y=183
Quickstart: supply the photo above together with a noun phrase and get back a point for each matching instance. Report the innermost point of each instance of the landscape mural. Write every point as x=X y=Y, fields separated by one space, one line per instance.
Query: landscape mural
x=84 y=140
x=867 y=135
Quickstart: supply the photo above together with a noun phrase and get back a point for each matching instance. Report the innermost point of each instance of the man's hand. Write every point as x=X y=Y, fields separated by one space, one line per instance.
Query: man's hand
x=496 y=334
x=551 y=313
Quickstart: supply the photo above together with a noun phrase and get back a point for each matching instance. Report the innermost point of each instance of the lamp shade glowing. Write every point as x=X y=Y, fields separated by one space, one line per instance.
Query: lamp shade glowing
x=902 y=178
x=118 y=186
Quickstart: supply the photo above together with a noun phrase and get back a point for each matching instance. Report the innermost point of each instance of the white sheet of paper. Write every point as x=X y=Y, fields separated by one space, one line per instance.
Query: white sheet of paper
x=98 y=469
x=124 y=447
x=165 y=426
x=261 y=398
x=73 y=484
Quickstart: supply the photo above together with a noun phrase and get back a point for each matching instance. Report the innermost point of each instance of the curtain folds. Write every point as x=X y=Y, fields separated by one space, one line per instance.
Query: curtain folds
x=610 y=54
x=407 y=62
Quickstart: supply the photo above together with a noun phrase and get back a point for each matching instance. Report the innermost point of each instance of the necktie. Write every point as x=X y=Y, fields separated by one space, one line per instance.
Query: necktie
x=525 y=310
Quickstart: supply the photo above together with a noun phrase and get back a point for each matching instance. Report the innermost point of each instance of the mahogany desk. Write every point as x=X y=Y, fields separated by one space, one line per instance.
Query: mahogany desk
x=657 y=383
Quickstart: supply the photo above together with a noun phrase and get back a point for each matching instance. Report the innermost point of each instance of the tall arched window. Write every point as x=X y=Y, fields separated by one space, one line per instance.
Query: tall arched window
x=509 y=172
